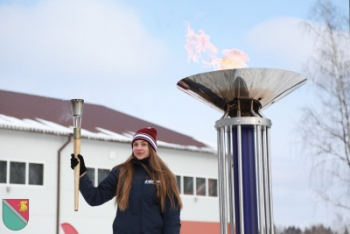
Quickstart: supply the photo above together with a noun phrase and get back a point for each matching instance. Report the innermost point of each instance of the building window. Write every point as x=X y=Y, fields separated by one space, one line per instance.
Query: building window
x=204 y=187
x=3 y=171
x=21 y=173
x=102 y=173
x=91 y=174
x=36 y=174
x=188 y=185
x=200 y=186
x=178 y=181
x=213 y=187
x=96 y=175
x=17 y=173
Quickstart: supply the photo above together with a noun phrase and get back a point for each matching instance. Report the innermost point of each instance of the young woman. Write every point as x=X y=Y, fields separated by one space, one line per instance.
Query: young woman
x=144 y=188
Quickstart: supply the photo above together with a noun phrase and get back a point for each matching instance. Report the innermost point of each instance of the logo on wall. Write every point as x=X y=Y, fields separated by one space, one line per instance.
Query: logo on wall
x=15 y=213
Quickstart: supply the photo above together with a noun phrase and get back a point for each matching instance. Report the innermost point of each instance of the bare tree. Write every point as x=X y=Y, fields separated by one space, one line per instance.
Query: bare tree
x=292 y=230
x=325 y=127
x=320 y=229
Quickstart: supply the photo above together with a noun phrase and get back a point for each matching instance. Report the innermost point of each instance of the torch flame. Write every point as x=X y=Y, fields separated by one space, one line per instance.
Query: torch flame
x=198 y=45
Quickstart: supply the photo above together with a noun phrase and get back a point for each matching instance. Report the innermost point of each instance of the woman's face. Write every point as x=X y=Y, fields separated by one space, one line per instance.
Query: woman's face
x=140 y=149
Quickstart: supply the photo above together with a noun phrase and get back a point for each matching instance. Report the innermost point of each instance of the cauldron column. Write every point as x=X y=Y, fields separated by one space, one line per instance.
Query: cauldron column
x=244 y=153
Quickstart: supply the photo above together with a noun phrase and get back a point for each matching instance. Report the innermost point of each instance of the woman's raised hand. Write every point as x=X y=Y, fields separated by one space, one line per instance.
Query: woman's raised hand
x=74 y=162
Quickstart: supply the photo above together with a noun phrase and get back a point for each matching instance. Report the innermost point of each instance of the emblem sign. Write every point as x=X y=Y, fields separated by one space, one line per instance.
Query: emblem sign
x=15 y=213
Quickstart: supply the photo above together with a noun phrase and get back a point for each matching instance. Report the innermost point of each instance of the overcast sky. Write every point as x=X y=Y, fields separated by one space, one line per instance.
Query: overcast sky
x=129 y=55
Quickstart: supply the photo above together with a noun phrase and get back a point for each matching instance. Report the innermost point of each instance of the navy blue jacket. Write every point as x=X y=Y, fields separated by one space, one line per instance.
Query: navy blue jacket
x=144 y=215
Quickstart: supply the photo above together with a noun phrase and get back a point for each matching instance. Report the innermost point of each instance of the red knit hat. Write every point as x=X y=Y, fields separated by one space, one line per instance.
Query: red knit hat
x=147 y=134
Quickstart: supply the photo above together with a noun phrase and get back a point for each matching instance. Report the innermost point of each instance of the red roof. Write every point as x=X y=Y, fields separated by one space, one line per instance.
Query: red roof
x=26 y=106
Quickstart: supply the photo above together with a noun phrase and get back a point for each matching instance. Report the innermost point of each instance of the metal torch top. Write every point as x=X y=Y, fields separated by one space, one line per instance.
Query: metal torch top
x=77 y=107
x=260 y=87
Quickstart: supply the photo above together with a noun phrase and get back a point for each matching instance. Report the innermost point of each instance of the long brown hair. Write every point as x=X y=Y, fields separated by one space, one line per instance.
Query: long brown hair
x=157 y=170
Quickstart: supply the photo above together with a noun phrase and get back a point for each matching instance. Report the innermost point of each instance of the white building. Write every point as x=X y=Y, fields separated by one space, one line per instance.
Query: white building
x=35 y=148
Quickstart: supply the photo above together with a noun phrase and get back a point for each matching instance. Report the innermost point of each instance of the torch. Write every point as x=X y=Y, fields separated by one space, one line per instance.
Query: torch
x=77 y=112
x=244 y=154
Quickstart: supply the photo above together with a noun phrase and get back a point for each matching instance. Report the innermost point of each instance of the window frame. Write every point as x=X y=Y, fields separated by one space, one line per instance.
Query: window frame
x=193 y=186
x=26 y=173
x=7 y=175
x=194 y=195
x=94 y=181
x=217 y=186
x=205 y=184
x=181 y=184
x=26 y=162
x=96 y=173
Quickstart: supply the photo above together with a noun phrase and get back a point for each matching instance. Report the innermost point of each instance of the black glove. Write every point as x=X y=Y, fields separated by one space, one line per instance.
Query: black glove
x=74 y=162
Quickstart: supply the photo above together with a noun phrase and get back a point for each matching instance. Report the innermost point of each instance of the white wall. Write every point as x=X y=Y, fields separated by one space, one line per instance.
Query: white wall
x=39 y=147
x=196 y=164
x=33 y=147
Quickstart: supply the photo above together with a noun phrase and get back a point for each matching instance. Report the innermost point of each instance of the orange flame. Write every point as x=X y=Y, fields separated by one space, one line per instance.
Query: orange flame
x=198 y=45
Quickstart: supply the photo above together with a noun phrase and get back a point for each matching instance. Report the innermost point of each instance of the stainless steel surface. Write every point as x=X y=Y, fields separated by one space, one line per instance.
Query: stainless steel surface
x=241 y=94
x=77 y=107
x=219 y=143
x=238 y=108
x=252 y=111
x=225 y=182
x=221 y=177
x=221 y=88
x=268 y=148
x=243 y=121
x=240 y=178
x=265 y=179
x=226 y=173
x=231 y=187
x=259 y=180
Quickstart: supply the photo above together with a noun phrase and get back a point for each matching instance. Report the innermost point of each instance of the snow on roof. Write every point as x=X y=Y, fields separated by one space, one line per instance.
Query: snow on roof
x=44 y=126
x=27 y=112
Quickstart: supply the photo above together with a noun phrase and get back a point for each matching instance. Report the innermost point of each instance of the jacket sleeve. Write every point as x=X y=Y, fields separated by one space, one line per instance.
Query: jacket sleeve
x=171 y=219
x=104 y=192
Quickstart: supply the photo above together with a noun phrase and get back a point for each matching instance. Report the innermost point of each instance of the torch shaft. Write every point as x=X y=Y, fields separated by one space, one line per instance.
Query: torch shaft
x=77 y=148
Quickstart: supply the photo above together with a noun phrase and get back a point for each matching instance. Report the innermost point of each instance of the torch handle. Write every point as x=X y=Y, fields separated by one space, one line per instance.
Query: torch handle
x=77 y=168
